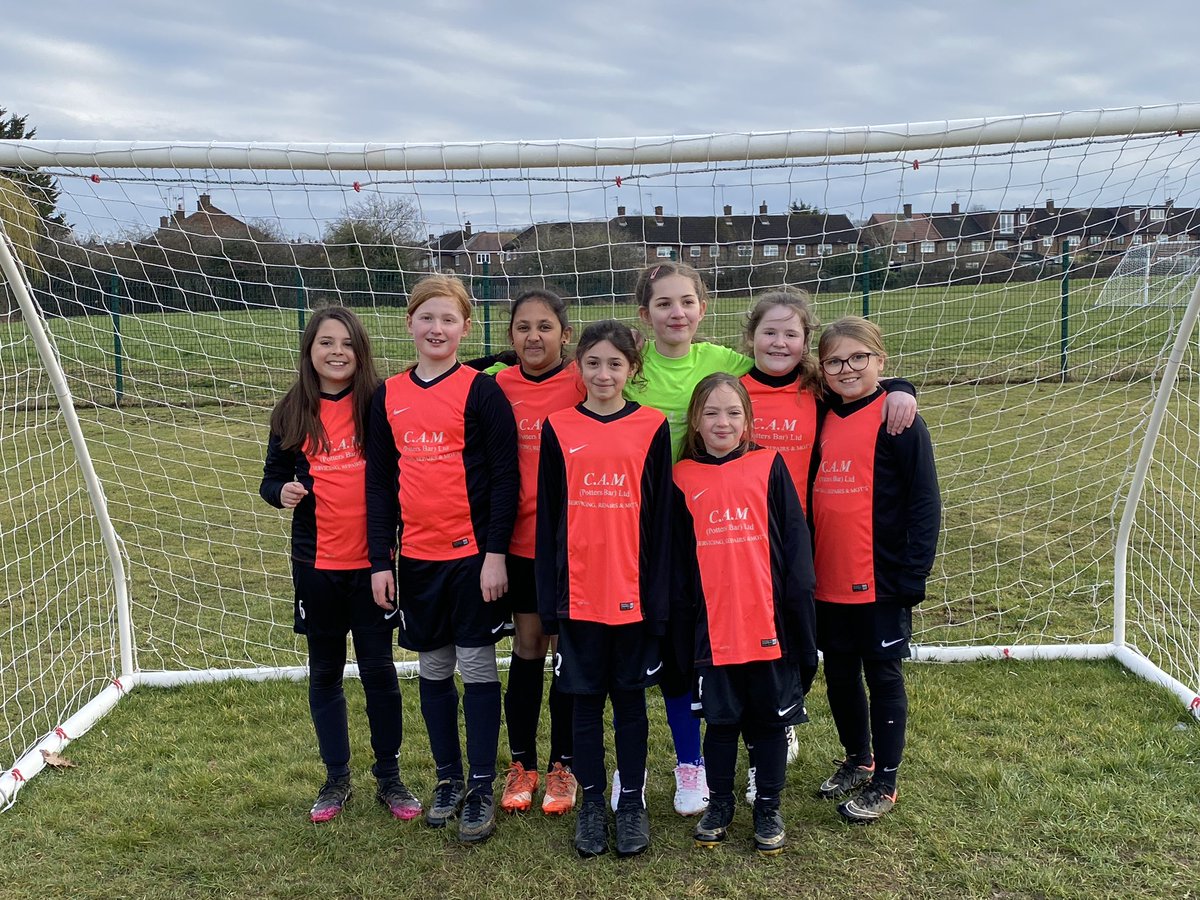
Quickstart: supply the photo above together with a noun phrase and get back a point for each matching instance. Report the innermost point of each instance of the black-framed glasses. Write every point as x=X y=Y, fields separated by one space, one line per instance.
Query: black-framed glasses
x=833 y=365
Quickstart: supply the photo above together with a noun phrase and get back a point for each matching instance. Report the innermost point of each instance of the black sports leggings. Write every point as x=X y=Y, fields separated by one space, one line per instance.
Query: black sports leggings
x=327 y=700
x=882 y=723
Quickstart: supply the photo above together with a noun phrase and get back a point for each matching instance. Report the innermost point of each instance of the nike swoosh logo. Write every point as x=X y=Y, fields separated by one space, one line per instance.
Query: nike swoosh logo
x=396 y=412
x=699 y=494
x=655 y=669
x=890 y=643
x=497 y=628
x=576 y=449
x=784 y=712
x=517 y=403
x=388 y=615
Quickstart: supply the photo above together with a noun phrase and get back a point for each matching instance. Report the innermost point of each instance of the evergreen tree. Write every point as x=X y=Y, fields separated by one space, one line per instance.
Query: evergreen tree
x=38 y=186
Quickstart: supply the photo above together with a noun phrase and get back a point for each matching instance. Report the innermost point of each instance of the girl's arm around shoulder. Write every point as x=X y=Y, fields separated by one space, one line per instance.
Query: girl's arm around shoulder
x=550 y=526
x=657 y=492
x=900 y=404
x=799 y=578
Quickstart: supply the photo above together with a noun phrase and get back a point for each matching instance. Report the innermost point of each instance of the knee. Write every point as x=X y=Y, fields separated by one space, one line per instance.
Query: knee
x=477 y=665
x=437 y=665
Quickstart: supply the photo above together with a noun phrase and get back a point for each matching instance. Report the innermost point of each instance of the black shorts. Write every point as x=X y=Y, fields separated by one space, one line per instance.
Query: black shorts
x=768 y=692
x=441 y=604
x=334 y=602
x=522 y=594
x=595 y=659
x=878 y=630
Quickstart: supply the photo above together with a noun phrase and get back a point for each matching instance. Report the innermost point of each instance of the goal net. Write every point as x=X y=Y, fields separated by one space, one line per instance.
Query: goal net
x=1158 y=273
x=145 y=337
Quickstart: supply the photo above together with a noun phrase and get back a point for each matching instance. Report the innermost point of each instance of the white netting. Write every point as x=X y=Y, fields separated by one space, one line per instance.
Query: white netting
x=176 y=296
x=1159 y=273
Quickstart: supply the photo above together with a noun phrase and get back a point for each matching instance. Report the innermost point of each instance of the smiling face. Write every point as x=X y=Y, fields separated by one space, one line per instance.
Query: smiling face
x=780 y=342
x=721 y=421
x=332 y=357
x=437 y=326
x=604 y=370
x=673 y=311
x=538 y=337
x=847 y=383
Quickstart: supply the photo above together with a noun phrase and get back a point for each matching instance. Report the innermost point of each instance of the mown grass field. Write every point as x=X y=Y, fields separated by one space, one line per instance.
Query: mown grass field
x=1055 y=780
x=1028 y=780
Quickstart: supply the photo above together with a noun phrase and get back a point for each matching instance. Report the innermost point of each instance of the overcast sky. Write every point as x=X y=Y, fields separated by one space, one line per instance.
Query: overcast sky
x=463 y=70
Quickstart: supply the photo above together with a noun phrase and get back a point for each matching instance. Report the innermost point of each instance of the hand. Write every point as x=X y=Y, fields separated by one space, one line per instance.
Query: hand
x=899 y=411
x=383 y=590
x=493 y=577
x=292 y=493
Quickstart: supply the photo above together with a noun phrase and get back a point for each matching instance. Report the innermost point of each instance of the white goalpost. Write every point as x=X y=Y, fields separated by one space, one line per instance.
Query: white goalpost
x=1035 y=276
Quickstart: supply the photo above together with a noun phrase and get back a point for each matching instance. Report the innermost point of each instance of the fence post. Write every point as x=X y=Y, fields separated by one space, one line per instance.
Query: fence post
x=865 y=282
x=114 y=310
x=485 y=291
x=1064 y=314
x=300 y=298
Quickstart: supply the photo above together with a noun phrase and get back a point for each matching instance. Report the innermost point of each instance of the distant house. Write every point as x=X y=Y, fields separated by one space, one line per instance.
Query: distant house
x=207 y=221
x=466 y=252
x=991 y=238
x=737 y=240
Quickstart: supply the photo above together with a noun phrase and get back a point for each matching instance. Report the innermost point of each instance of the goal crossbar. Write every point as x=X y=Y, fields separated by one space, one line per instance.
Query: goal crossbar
x=664 y=149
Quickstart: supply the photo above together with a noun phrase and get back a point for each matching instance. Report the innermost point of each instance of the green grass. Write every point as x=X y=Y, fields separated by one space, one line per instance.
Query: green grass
x=1020 y=780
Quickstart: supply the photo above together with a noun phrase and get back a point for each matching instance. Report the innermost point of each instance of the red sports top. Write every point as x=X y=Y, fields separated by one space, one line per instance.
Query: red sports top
x=533 y=398
x=876 y=510
x=785 y=419
x=444 y=451
x=604 y=499
x=329 y=526
x=728 y=509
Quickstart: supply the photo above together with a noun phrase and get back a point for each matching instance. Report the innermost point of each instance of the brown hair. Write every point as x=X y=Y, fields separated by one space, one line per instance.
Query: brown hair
x=798 y=300
x=296 y=418
x=649 y=275
x=440 y=286
x=616 y=333
x=693 y=443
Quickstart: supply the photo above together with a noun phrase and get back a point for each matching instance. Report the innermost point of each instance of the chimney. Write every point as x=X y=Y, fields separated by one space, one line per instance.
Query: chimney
x=954 y=208
x=178 y=215
x=658 y=215
x=728 y=210
x=466 y=229
x=762 y=209
x=204 y=203
x=1050 y=205
x=908 y=210
x=620 y=215
x=163 y=221
x=432 y=238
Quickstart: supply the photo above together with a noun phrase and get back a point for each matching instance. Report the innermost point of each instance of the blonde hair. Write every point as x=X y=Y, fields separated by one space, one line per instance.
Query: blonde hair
x=440 y=286
x=856 y=328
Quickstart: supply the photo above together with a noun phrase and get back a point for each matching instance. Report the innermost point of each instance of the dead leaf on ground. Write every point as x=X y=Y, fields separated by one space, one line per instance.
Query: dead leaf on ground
x=59 y=762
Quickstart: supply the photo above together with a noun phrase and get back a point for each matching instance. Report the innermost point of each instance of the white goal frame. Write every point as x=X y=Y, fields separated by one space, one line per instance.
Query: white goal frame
x=823 y=144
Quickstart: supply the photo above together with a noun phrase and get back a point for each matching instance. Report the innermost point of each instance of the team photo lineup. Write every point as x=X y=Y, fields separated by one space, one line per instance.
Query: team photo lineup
x=638 y=512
